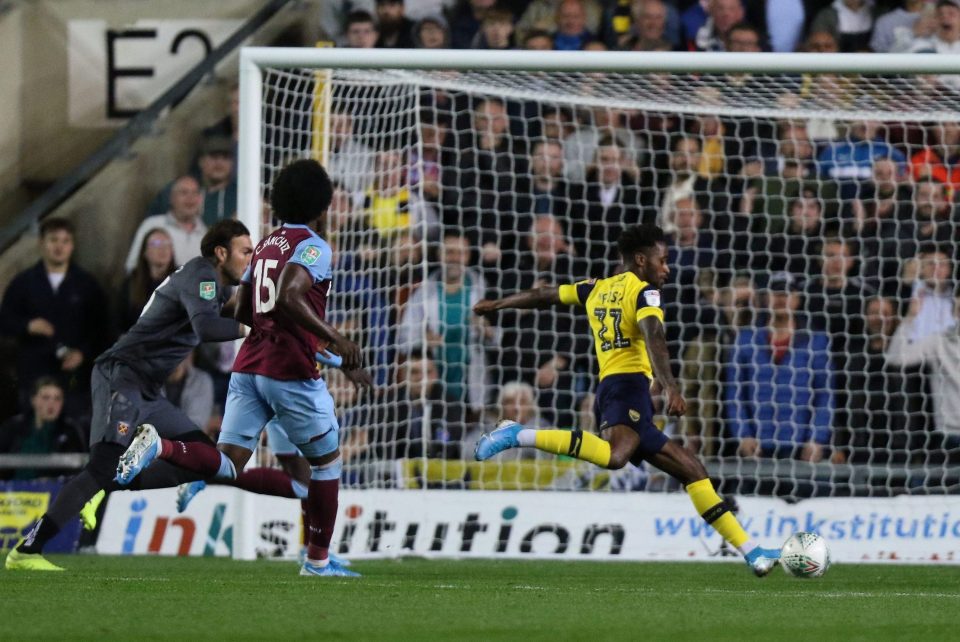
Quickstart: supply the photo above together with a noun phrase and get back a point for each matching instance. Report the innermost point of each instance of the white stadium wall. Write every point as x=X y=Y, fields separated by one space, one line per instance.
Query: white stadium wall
x=524 y=525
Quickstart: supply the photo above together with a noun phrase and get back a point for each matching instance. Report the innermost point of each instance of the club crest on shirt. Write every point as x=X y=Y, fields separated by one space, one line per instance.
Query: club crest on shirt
x=310 y=255
x=123 y=427
x=634 y=415
x=208 y=290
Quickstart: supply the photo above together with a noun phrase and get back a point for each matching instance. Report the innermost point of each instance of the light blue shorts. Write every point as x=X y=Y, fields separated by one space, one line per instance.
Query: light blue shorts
x=303 y=409
x=277 y=439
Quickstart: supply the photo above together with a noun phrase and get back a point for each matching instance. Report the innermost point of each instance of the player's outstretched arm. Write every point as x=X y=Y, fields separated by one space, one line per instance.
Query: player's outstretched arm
x=295 y=282
x=659 y=355
x=542 y=297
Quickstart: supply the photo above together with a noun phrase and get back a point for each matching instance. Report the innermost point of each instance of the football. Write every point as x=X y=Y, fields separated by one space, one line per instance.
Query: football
x=805 y=555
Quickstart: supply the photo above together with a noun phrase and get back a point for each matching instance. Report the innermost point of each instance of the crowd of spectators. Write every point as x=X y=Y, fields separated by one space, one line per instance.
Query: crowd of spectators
x=883 y=26
x=812 y=303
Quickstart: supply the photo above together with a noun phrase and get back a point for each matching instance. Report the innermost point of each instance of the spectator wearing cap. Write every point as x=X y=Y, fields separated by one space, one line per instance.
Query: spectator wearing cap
x=396 y=29
x=217 y=180
x=227 y=127
x=431 y=32
x=850 y=21
x=361 y=30
x=778 y=395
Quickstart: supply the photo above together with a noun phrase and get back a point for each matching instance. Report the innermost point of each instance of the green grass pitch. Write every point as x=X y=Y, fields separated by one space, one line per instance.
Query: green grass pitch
x=113 y=598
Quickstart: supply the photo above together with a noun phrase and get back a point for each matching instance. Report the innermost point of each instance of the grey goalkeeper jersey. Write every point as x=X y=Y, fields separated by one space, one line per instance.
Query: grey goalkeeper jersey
x=183 y=312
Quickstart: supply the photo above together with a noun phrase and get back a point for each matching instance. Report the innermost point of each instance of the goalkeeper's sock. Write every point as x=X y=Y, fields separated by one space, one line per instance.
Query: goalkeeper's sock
x=573 y=443
x=716 y=512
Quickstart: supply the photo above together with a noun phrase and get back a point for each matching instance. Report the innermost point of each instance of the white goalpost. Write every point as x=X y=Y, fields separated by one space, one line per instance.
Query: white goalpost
x=811 y=205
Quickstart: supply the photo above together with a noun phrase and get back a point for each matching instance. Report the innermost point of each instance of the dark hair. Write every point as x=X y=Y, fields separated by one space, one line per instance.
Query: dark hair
x=220 y=234
x=746 y=26
x=43 y=382
x=360 y=16
x=140 y=287
x=639 y=238
x=537 y=33
x=301 y=192
x=609 y=140
x=932 y=247
x=57 y=224
x=682 y=138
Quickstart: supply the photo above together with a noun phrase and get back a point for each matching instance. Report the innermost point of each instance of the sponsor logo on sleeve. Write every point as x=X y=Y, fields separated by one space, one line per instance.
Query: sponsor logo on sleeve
x=208 y=290
x=652 y=298
x=310 y=255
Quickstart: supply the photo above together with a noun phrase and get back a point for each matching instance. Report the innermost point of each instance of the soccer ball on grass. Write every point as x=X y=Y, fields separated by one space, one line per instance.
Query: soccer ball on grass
x=805 y=555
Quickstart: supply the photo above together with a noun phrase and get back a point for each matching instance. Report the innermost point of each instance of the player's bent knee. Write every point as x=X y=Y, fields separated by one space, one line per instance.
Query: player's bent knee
x=618 y=460
x=328 y=471
x=103 y=461
x=238 y=456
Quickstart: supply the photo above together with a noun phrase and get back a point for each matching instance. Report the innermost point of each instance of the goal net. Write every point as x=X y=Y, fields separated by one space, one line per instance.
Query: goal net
x=810 y=308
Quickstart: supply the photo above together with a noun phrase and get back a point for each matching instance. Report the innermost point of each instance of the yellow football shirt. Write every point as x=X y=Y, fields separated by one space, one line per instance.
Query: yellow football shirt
x=615 y=306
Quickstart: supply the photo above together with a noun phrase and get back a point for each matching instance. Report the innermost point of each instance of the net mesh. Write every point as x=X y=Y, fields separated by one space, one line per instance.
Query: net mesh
x=809 y=310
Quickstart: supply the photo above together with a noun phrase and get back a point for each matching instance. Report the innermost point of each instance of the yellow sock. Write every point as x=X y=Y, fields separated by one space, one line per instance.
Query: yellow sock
x=575 y=443
x=715 y=512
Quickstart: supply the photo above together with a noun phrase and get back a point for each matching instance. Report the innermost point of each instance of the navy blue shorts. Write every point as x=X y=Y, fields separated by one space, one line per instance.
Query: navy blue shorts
x=625 y=399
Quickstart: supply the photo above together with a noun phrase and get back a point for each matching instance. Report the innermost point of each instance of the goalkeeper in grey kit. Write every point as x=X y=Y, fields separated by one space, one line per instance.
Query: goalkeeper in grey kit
x=190 y=307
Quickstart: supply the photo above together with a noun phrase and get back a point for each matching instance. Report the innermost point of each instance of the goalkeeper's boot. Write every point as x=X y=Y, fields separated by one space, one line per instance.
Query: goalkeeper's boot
x=503 y=438
x=329 y=570
x=186 y=493
x=144 y=448
x=88 y=514
x=762 y=560
x=17 y=561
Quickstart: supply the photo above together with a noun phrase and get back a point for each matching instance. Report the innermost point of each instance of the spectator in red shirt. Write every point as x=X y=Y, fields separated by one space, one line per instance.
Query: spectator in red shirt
x=940 y=161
